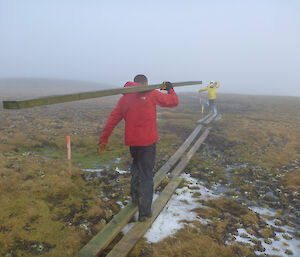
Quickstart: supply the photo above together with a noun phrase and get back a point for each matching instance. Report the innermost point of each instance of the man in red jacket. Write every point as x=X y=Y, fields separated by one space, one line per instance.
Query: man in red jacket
x=139 y=112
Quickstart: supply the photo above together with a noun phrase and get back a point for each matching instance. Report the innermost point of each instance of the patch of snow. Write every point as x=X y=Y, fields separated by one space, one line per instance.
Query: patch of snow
x=122 y=171
x=117 y=161
x=93 y=170
x=262 y=211
x=121 y=204
x=128 y=227
x=179 y=208
x=292 y=244
x=238 y=238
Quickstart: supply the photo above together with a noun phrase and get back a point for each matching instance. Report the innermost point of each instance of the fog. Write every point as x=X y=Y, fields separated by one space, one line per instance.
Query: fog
x=250 y=46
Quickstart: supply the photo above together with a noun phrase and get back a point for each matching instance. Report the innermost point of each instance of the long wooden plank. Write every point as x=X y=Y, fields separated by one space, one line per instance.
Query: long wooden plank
x=172 y=161
x=185 y=160
x=219 y=117
x=210 y=118
x=204 y=118
x=125 y=245
x=21 y=104
x=99 y=242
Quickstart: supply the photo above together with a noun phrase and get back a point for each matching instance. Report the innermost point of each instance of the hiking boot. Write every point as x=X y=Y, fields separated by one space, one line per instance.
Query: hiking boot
x=145 y=217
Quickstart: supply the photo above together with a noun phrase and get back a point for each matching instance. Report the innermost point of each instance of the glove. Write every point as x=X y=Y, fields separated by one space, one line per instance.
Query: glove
x=166 y=85
x=102 y=147
x=214 y=84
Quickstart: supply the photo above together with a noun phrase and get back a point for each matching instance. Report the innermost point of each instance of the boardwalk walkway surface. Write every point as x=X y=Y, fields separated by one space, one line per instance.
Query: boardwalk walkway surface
x=176 y=164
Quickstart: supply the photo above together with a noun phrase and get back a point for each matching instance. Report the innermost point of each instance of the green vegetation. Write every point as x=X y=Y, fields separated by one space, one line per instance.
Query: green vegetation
x=48 y=209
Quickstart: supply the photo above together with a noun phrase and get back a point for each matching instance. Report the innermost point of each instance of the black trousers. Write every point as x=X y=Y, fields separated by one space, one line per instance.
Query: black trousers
x=142 y=177
x=212 y=105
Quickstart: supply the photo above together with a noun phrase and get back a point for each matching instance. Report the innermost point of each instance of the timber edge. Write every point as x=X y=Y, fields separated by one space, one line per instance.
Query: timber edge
x=56 y=99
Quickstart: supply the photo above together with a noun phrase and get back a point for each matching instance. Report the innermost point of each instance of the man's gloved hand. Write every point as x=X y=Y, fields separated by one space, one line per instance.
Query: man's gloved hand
x=102 y=147
x=166 y=85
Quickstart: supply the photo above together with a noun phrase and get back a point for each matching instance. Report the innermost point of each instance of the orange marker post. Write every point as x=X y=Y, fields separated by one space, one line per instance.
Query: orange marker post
x=69 y=148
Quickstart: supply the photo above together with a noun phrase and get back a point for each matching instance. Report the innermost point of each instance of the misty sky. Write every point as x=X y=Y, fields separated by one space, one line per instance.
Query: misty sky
x=250 y=46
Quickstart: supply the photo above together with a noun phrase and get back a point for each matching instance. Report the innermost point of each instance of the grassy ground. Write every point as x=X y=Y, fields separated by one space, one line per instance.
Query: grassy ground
x=48 y=209
x=253 y=151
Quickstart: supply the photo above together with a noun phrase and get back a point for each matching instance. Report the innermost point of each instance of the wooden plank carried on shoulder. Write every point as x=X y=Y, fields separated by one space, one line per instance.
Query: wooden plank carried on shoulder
x=99 y=242
x=125 y=245
x=22 y=104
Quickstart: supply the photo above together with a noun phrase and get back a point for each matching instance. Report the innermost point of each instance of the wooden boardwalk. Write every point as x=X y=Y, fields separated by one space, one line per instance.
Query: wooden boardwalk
x=122 y=248
x=99 y=242
x=125 y=245
x=180 y=160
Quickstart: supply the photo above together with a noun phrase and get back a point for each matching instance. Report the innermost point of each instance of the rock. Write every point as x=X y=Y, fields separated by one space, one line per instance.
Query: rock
x=275 y=249
x=266 y=233
x=288 y=252
x=278 y=229
x=243 y=235
x=250 y=231
x=268 y=241
x=285 y=243
x=40 y=248
x=278 y=222
x=287 y=236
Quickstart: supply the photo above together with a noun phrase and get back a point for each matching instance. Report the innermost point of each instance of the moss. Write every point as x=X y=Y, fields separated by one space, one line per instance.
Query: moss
x=225 y=205
x=207 y=213
x=292 y=180
x=142 y=248
x=249 y=219
x=266 y=233
x=190 y=242
x=42 y=201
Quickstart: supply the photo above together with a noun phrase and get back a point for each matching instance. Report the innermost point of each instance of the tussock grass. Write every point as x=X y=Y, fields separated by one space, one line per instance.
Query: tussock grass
x=42 y=203
x=292 y=180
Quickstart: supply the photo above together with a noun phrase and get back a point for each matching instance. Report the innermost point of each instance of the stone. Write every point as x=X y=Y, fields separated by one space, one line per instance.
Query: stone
x=268 y=241
x=288 y=252
x=278 y=222
x=287 y=236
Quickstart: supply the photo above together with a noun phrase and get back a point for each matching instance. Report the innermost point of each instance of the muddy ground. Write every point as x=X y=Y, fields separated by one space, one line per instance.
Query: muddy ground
x=250 y=160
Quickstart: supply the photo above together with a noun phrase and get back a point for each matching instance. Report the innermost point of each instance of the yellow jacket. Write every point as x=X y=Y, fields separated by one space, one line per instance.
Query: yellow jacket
x=212 y=94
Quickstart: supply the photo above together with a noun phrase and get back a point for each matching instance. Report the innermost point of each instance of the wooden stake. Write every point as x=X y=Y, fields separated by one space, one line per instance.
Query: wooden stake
x=69 y=149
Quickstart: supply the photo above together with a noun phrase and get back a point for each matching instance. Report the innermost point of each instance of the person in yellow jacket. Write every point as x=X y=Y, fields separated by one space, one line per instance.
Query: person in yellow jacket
x=212 y=95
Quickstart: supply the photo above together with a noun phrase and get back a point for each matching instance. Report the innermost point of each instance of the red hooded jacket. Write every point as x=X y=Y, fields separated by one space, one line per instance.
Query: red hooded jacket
x=139 y=113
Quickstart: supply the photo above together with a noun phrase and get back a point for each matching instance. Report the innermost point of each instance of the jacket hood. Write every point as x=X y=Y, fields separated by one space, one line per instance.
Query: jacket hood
x=131 y=84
